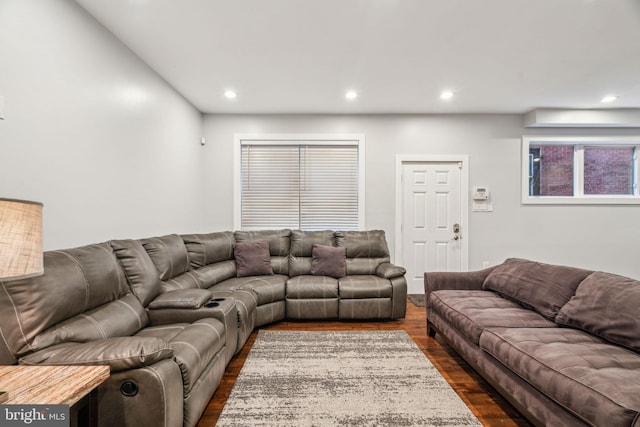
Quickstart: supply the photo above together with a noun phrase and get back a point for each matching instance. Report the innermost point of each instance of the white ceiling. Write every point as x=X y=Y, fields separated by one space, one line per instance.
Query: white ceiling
x=300 y=56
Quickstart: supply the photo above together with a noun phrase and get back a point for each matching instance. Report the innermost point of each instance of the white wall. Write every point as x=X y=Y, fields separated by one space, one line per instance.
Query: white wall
x=598 y=237
x=113 y=152
x=93 y=133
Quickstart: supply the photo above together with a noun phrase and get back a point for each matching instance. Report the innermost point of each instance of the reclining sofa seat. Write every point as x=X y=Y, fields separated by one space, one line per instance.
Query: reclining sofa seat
x=212 y=262
x=268 y=289
x=259 y=299
x=372 y=288
x=83 y=312
x=309 y=296
x=184 y=289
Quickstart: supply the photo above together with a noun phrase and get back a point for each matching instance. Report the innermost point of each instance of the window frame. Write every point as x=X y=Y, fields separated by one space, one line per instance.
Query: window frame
x=295 y=139
x=579 y=198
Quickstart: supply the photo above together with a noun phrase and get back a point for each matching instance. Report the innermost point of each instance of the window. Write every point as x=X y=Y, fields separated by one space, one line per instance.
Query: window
x=306 y=182
x=580 y=170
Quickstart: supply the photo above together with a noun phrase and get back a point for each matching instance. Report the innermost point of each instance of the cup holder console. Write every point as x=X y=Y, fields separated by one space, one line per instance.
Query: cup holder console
x=214 y=302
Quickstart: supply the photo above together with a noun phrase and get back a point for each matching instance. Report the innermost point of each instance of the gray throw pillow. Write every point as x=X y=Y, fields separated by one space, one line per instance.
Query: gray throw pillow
x=544 y=288
x=328 y=261
x=606 y=305
x=252 y=259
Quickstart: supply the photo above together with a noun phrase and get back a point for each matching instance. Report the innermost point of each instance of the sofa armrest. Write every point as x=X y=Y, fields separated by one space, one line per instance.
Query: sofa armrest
x=466 y=280
x=181 y=298
x=119 y=353
x=213 y=308
x=390 y=271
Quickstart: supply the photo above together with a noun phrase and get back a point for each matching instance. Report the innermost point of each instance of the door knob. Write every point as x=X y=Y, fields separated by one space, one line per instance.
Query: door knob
x=456 y=237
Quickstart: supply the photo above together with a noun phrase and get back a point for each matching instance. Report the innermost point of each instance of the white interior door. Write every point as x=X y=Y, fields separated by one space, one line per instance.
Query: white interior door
x=433 y=221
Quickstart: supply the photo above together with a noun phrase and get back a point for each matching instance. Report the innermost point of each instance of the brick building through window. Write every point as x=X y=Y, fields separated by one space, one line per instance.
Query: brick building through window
x=607 y=170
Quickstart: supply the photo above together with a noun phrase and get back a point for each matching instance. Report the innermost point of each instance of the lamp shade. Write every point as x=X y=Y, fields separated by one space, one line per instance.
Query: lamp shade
x=20 y=239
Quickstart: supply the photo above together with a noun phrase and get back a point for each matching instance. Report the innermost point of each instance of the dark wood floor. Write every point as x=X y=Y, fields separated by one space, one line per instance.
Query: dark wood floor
x=484 y=401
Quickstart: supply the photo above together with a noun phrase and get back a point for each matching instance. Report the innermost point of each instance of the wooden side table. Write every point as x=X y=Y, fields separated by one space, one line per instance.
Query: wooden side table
x=55 y=385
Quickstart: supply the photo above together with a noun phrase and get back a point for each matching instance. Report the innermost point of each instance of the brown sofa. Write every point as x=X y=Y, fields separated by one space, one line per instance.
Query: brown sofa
x=168 y=313
x=561 y=344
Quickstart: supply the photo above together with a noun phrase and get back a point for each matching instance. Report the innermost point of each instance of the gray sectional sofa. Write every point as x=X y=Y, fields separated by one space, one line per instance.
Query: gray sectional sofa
x=168 y=313
x=561 y=344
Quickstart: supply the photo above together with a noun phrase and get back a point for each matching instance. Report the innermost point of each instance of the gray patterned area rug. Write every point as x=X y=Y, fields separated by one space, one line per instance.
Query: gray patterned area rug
x=378 y=378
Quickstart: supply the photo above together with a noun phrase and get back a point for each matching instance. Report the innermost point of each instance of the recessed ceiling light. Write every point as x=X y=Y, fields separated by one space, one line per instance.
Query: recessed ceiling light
x=230 y=94
x=446 y=94
x=351 y=95
x=608 y=98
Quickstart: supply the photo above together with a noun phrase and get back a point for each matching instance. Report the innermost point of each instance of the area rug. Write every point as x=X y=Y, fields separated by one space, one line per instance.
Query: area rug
x=378 y=378
x=417 y=299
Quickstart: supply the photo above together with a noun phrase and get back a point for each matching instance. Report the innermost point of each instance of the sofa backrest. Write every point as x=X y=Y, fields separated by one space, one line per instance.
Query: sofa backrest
x=82 y=296
x=301 y=246
x=211 y=256
x=366 y=250
x=169 y=255
x=142 y=275
x=279 y=246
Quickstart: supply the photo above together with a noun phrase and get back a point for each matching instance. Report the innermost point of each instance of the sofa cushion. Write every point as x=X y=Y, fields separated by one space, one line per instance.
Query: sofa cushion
x=252 y=259
x=211 y=257
x=364 y=286
x=205 y=249
x=328 y=261
x=120 y=353
x=141 y=273
x=308 y=287
x=366 y=250
x=470 y=312
x=593 y=379
x=121 y=317
x=363 y=244
x=188 y=280
x=279 y=245
x=82 y=296
x=606 y=305
x=169 y=254
x=302 y=248
x=267 y=289
x=211 y=274
x=542 y=287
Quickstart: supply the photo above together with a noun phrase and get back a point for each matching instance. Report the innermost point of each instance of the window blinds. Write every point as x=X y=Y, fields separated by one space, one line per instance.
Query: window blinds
x=306 y=187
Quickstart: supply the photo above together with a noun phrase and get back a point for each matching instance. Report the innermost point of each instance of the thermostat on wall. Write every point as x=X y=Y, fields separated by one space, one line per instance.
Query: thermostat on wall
x=480 y=193
x=481 y=202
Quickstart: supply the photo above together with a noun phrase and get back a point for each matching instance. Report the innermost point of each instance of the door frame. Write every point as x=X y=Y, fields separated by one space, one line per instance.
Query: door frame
x=402 y=159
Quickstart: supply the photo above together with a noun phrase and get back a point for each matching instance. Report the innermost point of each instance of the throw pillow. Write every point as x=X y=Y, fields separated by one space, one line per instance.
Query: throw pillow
x=252 y=259
x=606 y=305
x=328 y=261
x=542 y=287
